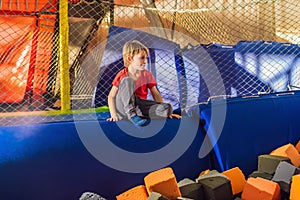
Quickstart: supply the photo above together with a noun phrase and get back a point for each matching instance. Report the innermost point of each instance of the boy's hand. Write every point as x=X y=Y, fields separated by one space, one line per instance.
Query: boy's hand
x=174 y=116
x=113 y=119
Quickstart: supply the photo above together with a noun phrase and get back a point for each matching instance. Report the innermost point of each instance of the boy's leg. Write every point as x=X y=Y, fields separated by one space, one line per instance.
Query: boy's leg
x=153 y=109
x=126 y=103
x=125 y=99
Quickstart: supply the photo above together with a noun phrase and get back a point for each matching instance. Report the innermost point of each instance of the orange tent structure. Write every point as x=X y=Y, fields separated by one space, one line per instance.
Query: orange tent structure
x=26 y=47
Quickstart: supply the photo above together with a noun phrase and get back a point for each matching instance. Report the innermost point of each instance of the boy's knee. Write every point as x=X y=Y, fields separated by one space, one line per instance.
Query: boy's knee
x=165 y=110
x=167 y=106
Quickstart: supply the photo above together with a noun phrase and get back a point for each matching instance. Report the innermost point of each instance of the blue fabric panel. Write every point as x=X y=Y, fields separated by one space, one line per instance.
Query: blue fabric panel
x=50 y=161
x=105 y=79
x=181 y=78
x=259 y=57
x=264 y=47
x=151 y=62
x=167 y=77
x=118 y=36
x=253 y=126
x=223 y=58
x=230 y=74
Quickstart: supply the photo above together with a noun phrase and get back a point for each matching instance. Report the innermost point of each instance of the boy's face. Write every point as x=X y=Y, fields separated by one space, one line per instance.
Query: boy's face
x=139 y=61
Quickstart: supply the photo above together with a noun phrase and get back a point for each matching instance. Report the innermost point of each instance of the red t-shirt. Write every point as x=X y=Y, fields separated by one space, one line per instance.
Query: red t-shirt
x=145 y=82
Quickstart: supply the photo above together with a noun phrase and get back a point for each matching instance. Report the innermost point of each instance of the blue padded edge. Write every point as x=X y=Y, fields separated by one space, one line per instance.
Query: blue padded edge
x=49 y=160
x=253 y=126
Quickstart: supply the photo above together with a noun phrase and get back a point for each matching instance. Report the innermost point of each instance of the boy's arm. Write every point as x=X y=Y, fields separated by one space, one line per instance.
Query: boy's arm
x=112 y=104
x=155 y=94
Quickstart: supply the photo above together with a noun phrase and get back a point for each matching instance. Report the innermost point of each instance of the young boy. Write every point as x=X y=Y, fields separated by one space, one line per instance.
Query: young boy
x=127 y=98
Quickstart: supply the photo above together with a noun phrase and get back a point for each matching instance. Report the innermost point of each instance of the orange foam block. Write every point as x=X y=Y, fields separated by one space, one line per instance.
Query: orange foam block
x=136 y=193
x=237 y=179
x=298 y=146
x=204 y=172
x=288 y=151
x=259 y=188
x=295 y=192
x=164 y=182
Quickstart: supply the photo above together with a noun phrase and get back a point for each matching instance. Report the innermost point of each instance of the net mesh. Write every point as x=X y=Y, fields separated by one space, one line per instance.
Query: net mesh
x=252 y=45
x=28 y=54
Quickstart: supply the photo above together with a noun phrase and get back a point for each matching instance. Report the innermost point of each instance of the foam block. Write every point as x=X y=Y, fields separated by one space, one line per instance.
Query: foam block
x=191 y=189
x=156 y=196
x=259 y=188
x=297 y=170
x=212 y=173
x=137 y=193
x=261 y=175
x=283 y=176
x=288 y=151
x=91 y=196
x=269 y=163
x=284 y=172
x=215 y=185
x=284 y=187
x=298 y=146
x=164 y=182
x=237 y=179
x=237 y=198
x=204 y=172
x=295 y=192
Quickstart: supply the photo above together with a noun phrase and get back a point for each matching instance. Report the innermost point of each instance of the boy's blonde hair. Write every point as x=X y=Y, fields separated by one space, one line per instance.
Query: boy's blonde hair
x=132 y=48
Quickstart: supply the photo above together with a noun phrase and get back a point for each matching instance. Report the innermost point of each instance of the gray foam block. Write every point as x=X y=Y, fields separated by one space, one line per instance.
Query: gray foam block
x=268 y=163
x=283 y=175
x=91 y=196
x=156 y=196
x=237 y=198
x=190 y=189
x=256 y=174
x=297 y=171
x=212 y=173
x=285 y=187
x=215 y=186
x=284 y=172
